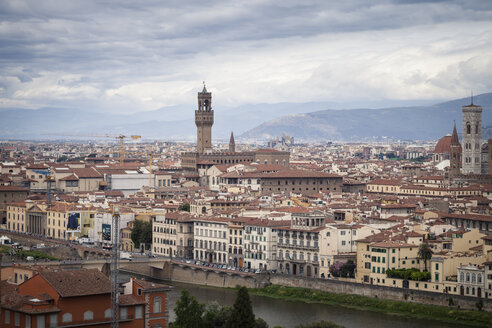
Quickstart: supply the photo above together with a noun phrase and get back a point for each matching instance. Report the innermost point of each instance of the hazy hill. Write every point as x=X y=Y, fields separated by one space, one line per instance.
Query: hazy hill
x=259 y=121
x=420 y=122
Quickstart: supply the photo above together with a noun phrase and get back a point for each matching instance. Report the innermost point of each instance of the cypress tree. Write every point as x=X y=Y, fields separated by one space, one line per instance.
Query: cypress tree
x=188 y=312
x=242 y=315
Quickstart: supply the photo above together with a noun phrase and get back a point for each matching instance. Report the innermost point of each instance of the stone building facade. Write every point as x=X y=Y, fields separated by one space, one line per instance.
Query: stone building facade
x=472 y=139
x=205 y=156
x=300 y=182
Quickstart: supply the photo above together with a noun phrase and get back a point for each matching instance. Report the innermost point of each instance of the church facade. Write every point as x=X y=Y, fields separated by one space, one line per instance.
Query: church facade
x=205 y=156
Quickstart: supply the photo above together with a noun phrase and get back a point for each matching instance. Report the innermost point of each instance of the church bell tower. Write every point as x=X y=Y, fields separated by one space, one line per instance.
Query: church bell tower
x=472 y=139
x=454 y=154
x=204 y=119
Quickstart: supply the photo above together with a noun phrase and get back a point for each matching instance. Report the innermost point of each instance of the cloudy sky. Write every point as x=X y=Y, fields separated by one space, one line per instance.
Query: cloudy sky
x=132 y=56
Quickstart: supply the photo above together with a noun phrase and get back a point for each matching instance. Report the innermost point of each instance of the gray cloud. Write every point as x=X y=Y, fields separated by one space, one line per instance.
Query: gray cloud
x=131 y=56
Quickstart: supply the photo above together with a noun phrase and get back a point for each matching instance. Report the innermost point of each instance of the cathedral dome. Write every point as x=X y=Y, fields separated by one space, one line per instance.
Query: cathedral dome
x=443 y=145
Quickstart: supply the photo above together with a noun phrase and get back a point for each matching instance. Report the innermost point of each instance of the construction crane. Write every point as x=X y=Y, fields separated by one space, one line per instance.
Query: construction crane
x=122 y=145
x=121 y=137
x=150 y=167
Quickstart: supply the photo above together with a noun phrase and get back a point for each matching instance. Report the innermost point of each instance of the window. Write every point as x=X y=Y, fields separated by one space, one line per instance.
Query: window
x=40 y=321
x=88 y=315
x=17 y=319
x=138 y=312
x=54 y=320
x=123 y=313
x=28 y=321
x=107 y=313
x=67 y=317
x=157 y=304
x=139 y=292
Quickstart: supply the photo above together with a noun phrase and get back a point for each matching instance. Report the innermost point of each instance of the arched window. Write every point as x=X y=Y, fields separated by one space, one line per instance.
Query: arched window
x=88 y=315
x=468 y=128
x=107 y=313
x=462 y=277
x=67 y=317
x=479 y=278
x=467 y=277
x=157 y=304
x=474 y=278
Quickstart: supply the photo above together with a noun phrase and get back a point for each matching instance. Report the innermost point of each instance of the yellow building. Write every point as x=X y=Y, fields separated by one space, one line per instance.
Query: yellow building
x=58 y=216
x=126 y=238
x=16 y=217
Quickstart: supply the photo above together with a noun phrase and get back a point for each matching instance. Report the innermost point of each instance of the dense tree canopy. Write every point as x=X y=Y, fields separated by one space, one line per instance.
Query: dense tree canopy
x=184 y=207
x=141 y=233
x=188 y=312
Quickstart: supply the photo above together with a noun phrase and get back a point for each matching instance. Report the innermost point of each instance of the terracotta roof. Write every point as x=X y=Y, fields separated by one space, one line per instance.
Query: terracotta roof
x=125 y=300
x=442 y=145
x=77 y=282
x=299 y=174
x=151 y=286
x=13 y=188
x=86 y=173
x=488 y=237
x=69 y=178
x=393 y=244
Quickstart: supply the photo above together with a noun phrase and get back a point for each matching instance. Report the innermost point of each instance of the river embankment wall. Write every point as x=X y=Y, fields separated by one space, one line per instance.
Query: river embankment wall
x=216 y=278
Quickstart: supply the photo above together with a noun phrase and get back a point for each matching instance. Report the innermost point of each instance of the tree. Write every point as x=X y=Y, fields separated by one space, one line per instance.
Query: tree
x=425 y=254
x=188 y=312
x=216 y=316
x=336 y=268
x=260 y=323
x=141 y=233
x=184 y=207
x=348 y=269
x=242 y=315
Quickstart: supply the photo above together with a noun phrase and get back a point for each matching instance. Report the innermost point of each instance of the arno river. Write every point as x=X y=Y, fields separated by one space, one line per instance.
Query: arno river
x=288 y=314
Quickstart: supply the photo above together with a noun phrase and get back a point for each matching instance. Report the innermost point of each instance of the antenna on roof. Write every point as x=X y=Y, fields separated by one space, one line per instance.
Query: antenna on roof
x=472 y=97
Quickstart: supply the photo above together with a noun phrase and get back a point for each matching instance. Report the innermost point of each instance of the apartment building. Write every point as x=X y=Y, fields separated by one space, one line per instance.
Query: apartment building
x=235 y=235
x=211 y=243
x=260 y=243
x=164 y=236
x=57 y=298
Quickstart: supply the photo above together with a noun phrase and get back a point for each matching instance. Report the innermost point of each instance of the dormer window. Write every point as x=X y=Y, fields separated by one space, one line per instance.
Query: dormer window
x=139 y=292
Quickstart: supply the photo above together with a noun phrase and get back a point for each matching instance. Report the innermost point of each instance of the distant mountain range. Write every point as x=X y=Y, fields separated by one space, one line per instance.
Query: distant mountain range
x=403 y=123
x=304 y=121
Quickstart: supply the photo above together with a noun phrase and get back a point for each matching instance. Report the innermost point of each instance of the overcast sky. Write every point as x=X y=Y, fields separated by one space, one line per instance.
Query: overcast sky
x=142 y=55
